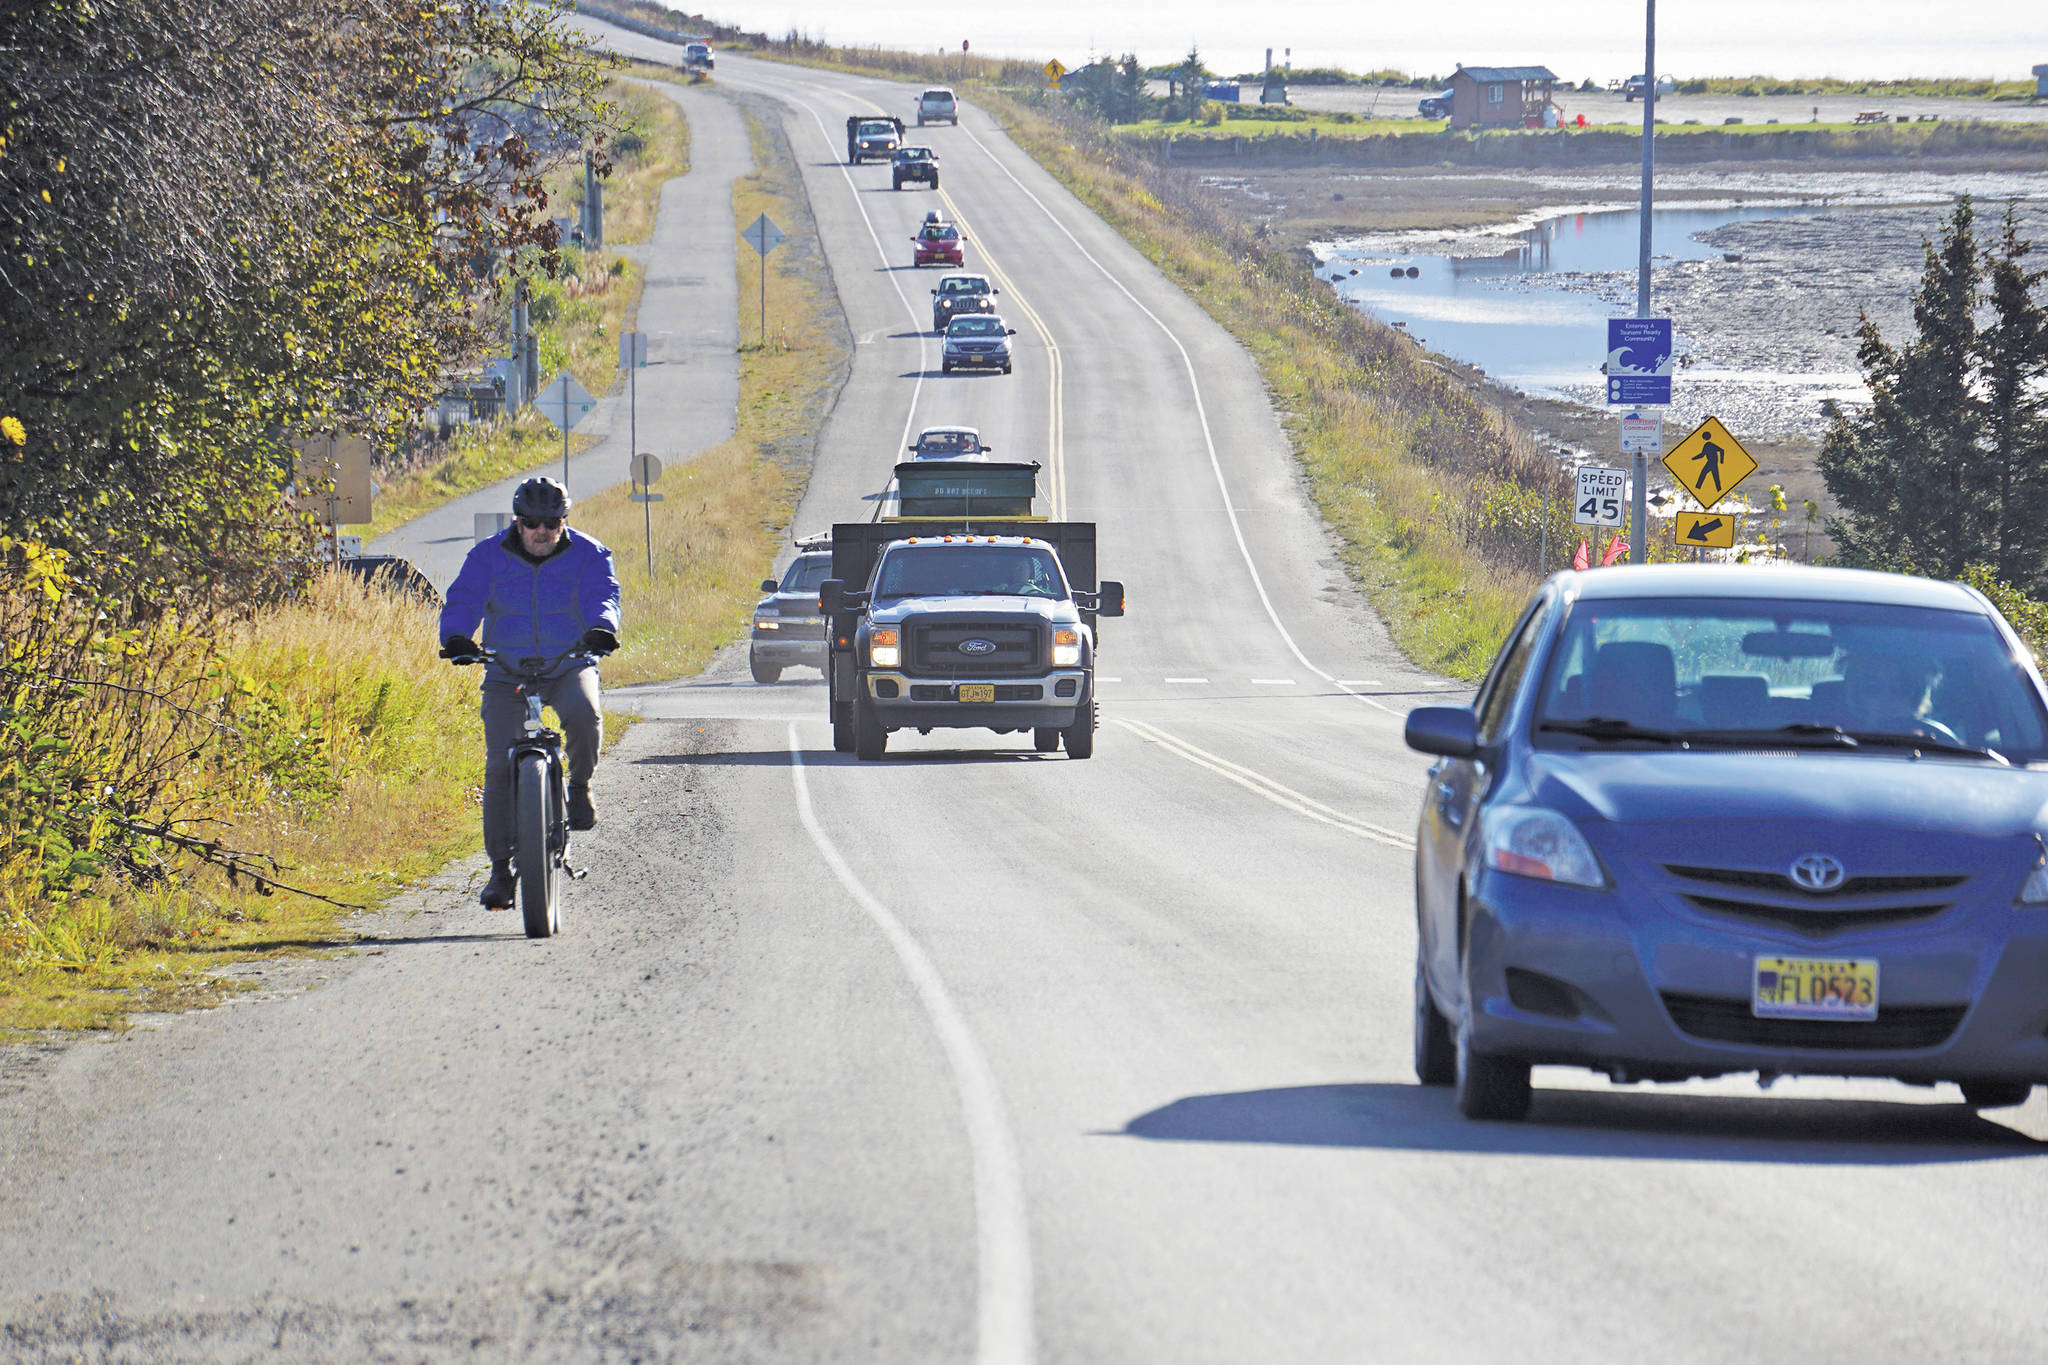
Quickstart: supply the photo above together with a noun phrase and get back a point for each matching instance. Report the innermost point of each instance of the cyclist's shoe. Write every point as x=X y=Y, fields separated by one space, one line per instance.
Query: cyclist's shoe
x=582 y=815
x=497 y=892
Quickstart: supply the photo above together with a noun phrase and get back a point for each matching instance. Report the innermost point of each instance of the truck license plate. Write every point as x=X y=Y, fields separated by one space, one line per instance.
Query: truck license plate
x=972 y=692
x=1814 y=988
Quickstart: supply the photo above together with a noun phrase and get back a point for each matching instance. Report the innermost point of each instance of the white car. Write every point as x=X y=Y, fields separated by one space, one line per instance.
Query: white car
x=937 y=105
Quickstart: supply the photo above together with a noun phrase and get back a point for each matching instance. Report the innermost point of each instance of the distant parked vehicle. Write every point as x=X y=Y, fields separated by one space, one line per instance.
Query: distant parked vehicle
x=1632 y=88
x=393 y=574
x=1435 y=106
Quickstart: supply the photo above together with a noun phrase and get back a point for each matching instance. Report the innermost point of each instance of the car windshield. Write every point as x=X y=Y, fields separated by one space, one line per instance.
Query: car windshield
x=960 y=284
x=914 y=154
x=1818 y=673
x=939 y=232
x=806 y=574
x=970 y=571
x=983 y=326
x=948 y=443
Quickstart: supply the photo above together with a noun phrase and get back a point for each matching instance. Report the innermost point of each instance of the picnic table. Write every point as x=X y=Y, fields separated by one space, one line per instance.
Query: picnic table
x=1872 y=116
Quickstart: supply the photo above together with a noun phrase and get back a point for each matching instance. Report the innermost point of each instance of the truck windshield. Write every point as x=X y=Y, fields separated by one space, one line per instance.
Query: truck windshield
x=877 y=130
x=970 y=571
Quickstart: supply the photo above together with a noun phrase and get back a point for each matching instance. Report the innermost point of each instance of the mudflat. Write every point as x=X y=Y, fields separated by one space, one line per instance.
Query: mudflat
x=1780 y=296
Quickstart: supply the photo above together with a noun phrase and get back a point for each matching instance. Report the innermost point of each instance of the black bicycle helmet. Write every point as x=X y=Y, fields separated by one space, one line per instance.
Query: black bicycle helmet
x=540 y=498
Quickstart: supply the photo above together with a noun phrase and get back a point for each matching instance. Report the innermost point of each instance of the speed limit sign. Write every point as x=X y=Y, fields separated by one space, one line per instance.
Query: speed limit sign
x=1602 y=495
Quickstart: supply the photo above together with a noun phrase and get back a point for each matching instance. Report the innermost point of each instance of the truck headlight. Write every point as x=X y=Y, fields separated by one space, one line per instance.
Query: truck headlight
x=1066 y=648
x=765 y=622
x=883 y=651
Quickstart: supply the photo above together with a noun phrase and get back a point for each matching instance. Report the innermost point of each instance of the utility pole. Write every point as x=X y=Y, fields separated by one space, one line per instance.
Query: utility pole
x=1639 y=542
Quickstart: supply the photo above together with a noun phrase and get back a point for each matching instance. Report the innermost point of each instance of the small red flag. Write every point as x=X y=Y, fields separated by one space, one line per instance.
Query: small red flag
x=1582 y=558
x=1616 y=548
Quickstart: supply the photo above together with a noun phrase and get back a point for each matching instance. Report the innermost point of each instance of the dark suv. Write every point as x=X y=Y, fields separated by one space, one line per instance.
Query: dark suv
x=787 y=627
x=915 y=166
x=958 y=295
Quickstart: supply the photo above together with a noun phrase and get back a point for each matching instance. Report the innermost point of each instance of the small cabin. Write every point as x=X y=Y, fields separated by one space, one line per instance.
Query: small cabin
x=1503 y=97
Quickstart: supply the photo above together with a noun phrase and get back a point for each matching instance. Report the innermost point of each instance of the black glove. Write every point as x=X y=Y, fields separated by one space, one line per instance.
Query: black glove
x=461 y=649
x=599 y=641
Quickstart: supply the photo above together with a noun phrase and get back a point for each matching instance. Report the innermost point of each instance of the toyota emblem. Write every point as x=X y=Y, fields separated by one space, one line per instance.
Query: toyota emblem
x=977 y=646
x=1817 y=872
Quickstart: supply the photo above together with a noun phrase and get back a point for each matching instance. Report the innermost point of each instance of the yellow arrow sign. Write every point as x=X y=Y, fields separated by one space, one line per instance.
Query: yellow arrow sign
x=1709 y=463
x=1716 y=529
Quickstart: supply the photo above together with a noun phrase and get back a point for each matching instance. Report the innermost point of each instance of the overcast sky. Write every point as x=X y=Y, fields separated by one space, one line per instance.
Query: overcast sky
x=1575 y=38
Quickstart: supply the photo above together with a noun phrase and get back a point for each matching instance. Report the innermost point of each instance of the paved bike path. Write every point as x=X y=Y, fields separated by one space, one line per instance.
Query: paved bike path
x=688 y=392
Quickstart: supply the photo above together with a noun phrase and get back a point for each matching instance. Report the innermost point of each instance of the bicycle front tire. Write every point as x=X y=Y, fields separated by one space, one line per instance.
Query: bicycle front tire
x=536 y=861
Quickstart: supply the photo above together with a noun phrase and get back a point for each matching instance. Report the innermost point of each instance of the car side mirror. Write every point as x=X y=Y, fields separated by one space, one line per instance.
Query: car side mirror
x=831 y=597
x=1009 y=331
x=1109 y=598
x=1447 y=731
x=769 y=585
x=911 y=449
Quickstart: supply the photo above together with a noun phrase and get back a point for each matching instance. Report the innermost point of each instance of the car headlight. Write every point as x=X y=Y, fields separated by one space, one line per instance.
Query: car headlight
x=1066 y=648
x=883 y=651
x=1531 y=841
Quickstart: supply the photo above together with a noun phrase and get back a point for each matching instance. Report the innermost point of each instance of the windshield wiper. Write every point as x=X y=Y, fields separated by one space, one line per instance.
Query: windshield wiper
x=1608 y=727
x=1879 y=739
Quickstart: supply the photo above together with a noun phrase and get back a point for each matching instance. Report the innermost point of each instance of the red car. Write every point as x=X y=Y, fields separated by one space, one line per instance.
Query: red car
x=938 y=244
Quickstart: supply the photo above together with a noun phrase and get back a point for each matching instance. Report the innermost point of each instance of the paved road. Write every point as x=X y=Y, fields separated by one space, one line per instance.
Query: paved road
x=976 y=1054
x=688 y=391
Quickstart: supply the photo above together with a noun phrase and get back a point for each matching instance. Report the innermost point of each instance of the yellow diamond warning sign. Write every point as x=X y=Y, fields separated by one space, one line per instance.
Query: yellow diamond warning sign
x=1053 y=72
x=1709 y=463
x=1715 y=529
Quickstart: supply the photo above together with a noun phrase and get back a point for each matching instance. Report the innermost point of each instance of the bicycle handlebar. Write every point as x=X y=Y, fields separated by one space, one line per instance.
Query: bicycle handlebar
x=530 y=668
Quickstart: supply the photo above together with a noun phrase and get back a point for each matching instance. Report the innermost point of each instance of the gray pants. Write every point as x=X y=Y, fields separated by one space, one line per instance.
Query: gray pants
x=575 y=699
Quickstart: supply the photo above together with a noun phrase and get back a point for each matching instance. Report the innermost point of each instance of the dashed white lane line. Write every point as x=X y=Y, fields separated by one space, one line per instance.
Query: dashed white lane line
x=1273 y=682
x=1184 y=680
x=1007 y=1330
x=1261 y=785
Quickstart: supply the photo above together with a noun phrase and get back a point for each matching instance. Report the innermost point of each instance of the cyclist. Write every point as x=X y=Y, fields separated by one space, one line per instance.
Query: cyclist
x=537 y=590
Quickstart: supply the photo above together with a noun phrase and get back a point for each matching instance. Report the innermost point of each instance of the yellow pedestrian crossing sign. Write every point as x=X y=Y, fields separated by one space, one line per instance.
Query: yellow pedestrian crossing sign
x=1716 y=529
x=1709 y=463
x=1053 y=72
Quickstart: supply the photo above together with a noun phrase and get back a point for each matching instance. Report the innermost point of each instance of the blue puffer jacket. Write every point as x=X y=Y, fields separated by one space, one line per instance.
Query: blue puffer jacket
x=533 y=610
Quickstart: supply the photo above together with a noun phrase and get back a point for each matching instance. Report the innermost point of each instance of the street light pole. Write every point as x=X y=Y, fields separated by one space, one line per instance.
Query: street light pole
x=1639 y=543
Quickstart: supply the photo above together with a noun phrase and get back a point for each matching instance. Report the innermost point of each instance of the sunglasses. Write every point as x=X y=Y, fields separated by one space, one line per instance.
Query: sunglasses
x=536 y=523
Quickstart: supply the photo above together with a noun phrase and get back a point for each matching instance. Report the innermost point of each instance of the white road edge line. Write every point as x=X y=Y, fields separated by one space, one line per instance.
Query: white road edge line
x=1202 y=416
x=1005 y=1320
x=1258 y=783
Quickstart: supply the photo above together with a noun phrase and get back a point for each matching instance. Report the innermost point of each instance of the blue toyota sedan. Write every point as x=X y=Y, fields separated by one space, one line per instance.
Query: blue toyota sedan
x=1703 y=819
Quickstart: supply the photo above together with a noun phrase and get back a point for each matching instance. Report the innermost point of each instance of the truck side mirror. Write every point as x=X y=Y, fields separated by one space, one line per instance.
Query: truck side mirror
x=1109 y=597
x=935 y=293
x=831 y=595
x=769 y=585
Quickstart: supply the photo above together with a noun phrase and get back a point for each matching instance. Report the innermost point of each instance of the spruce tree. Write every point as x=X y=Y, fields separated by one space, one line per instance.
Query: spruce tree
x=2013 y=353
x=1908 y=473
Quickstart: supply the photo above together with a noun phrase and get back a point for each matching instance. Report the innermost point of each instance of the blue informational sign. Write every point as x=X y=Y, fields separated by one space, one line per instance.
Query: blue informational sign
x=1639 y=360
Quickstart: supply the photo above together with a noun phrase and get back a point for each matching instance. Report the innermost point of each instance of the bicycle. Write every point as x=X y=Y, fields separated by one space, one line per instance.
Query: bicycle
x=540 y=796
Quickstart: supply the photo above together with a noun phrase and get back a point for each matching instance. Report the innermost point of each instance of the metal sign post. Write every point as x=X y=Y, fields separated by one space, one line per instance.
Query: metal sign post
x=565 y=403
x=1639 y=551
x=764 y=237
x=632 y=355
x=646 y=469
